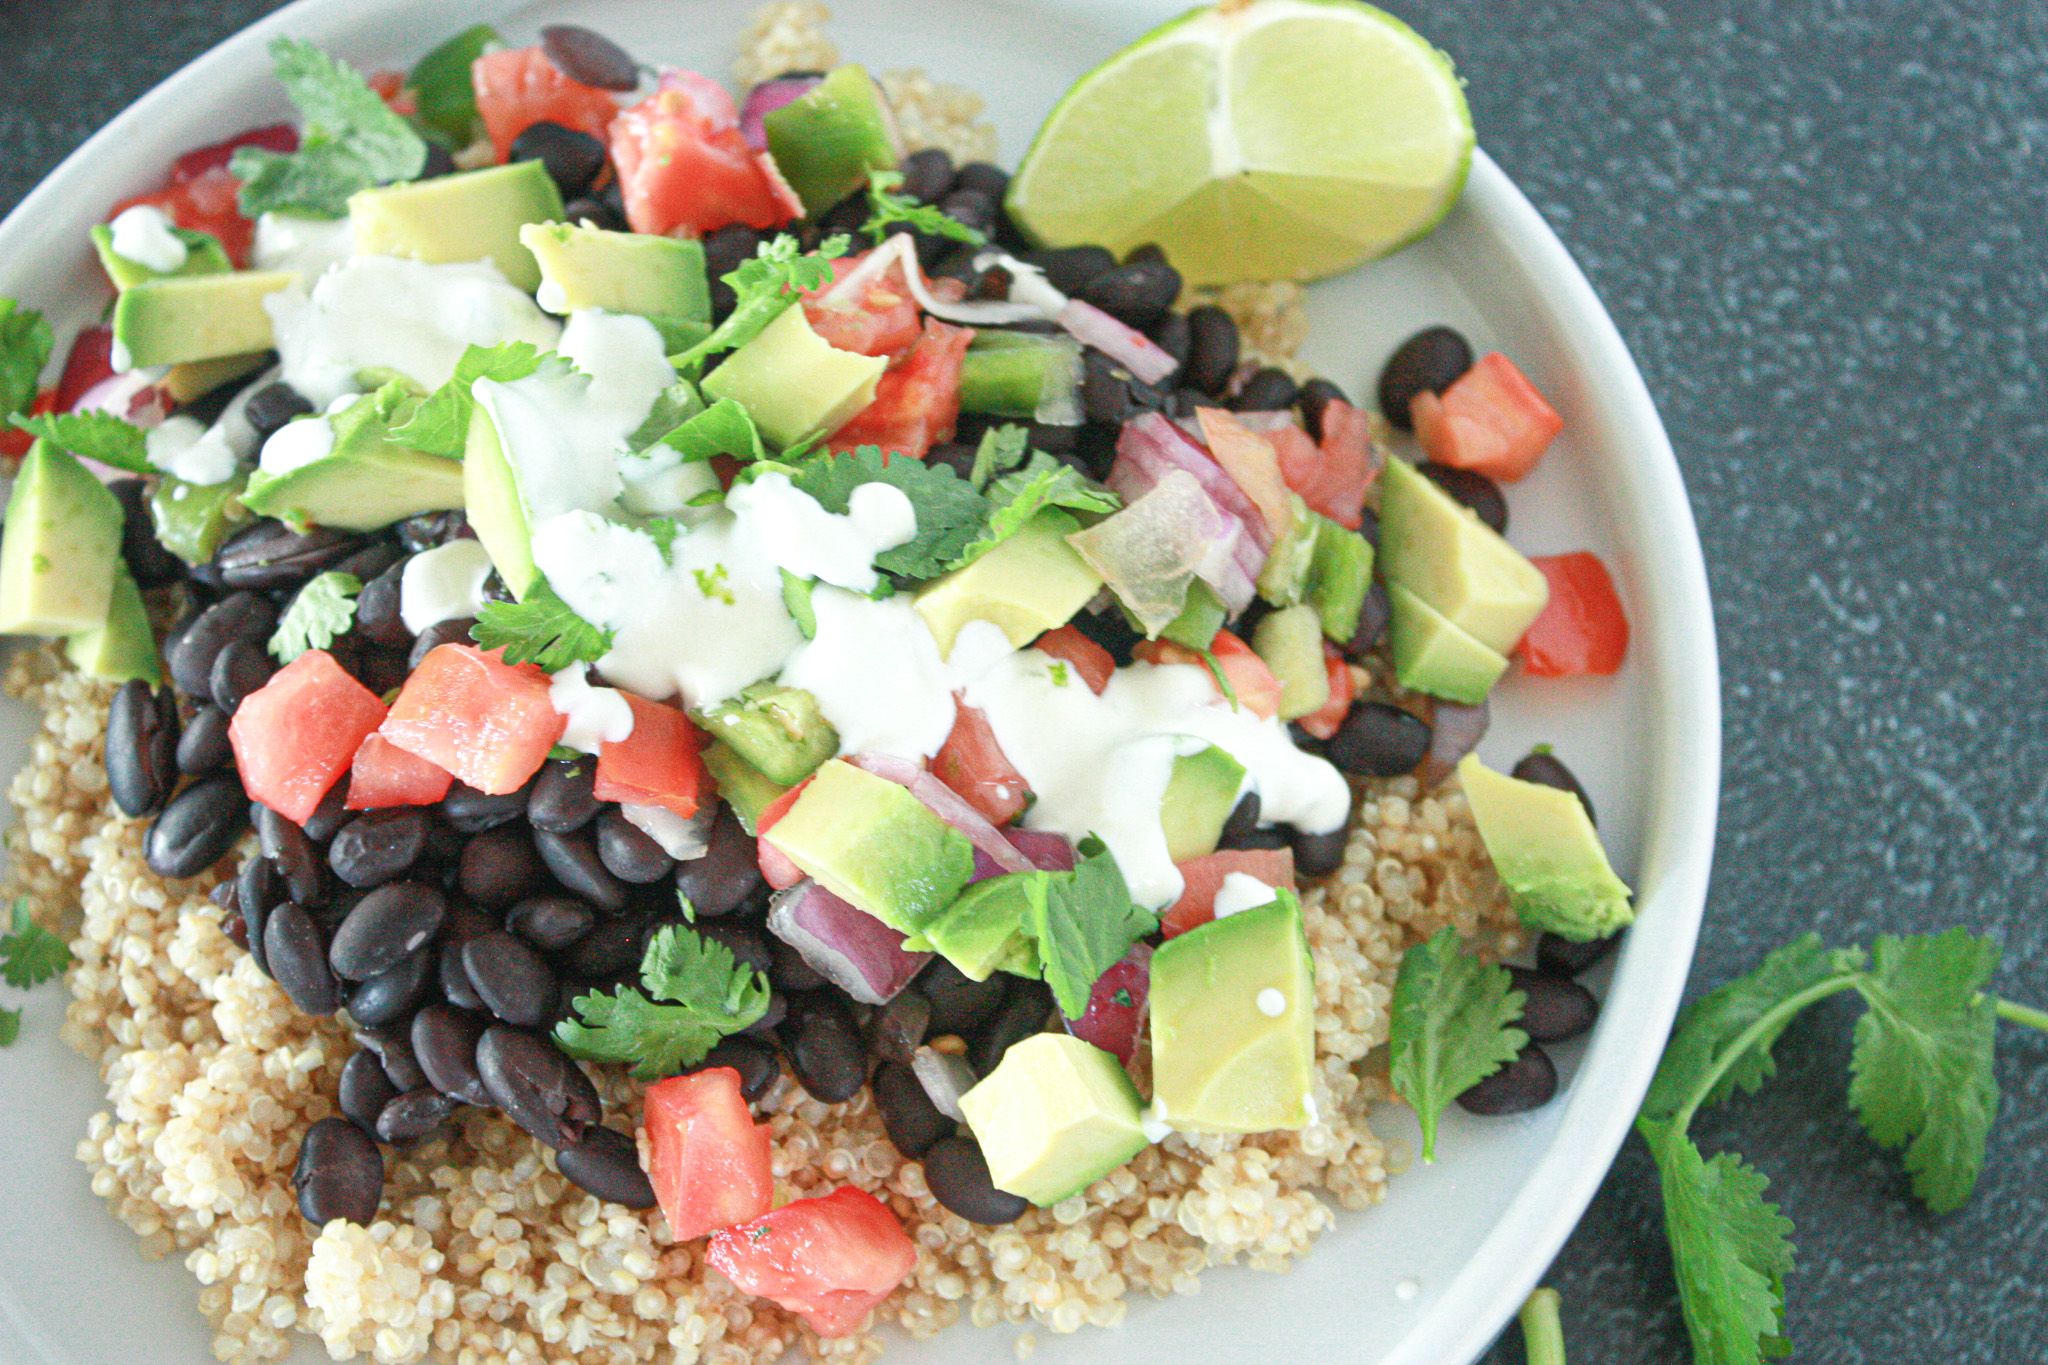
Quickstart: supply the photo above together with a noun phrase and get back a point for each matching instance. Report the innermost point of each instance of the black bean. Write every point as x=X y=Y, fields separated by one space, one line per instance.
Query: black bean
x=297 y=861
x=271 y=406
x=571 y=158
x=769 y=1025
x=433 y=637
x=550 y=923
x=377 y=610
x=397 y=991
x=573 y=860
x=384 y=926
x=629 y=852
x=415 y=1115
x=971 y=208
x=728 y=873
x=1172 y=336
x=297 y=958
x=757 y=1061
x=1428 y=362
x=380 y=670
x=1566 y=957
x=197 y=827
x=563 y=800
x=330 y=814
x=498 y=867
x=472 y=812
x=824 y=1047
x=538 y=1087
x=1526 y=1083
x=1318 y=855
x=510 y=977
x=607 y=1164
x=913 y=1121
x=960 y=1005
x=927 y=175
x=1378 y=740
x=204 y=747
x=364 y=1089
x=1137 y=293
x=241 y=667
x=985 y=178
x=393 y=1046
x=1556 y=1008
x=372 y=561
x=339 y=1174
x=787 y=968
x=1475 y=491
x=898 y=1029
x=747 y=944
x=149 y=563
x=1373 y=616
x=424 y=531
x=1212 y=350
x=1369 y=526
x=258 y=891
x=1110 y=395
x=190 y=655
x=1149 y=251
x=454 y=977
x=142 y=748
x=1543 y=767
x=286 y=560
x=1243 y=824
x=1069 y=269
x=444 y=1041
x=600 y=213
x=378 y=845
x=1268 y=390
x=724 y=249
x=1022 y=1014
x=589 y=58
x=615 y=945
x=1314 y=400
x=957 y=1174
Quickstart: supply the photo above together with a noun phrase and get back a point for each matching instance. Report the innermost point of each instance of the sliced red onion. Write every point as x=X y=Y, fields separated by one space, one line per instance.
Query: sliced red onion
x=1127 y=346
x=1152 y=444
x=766 y=98
x=135 y=396
x=1117 y=1006
x=1454 y=731
x=899 y=250
x=1162 y=537
x=1048 y=850
x=945 y=1079
x=948 y=805
x=847 y=946
x=1028 y=284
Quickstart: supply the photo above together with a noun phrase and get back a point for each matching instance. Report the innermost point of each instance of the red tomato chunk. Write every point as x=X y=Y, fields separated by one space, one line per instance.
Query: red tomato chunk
x=917 y=403
x=300 y=731
x=656 y=765
x=1582 y=628
x=707 y=1158
x=684 y=169
x=488 y=722
x=883 y=321
x=518 y=88
x=975 y=767
x=1329 y=718
x=385 y=775
x=1203 y=877
x=208 y=202
x=776 y=868
x=829 y=1260
x=1491 y=420
x=1069 y=645
x=1258 y=691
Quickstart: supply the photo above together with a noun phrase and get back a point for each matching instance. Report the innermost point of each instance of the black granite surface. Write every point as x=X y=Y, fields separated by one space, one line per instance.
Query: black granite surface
x=1823 y=229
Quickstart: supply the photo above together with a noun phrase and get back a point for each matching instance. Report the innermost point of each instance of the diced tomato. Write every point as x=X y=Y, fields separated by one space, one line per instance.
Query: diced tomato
x=1333 y=475
x=1582 y=628
x=776 y=868
x=1325 y=721
x=829 y=1260
x=520 y=87
x=656 y=765
x=1203 y=877
x=883 y=321
x=975 y=767
x=297 y=733
x=383 y=774
x=14 y=442
x=390 y=87
x=204 y=203
x=1258 y=691
x=917 y=402
x=1250 y=461
x=707 y=1158
x=90 y=361
x=488 y=722
x=1491 y=420
x=1082 y=654
x=276 y=137
x=1116 y=1005
x=684 y=172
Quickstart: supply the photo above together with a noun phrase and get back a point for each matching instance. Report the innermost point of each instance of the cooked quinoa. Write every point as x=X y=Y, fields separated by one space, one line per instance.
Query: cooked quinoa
x=485 y=1253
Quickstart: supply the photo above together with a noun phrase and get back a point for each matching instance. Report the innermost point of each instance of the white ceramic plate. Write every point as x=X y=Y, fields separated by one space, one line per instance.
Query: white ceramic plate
x=1428 y=1277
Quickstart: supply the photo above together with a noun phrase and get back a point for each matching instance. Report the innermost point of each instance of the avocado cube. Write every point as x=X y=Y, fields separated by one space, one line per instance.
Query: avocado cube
x=1438 y=548
x=793 y=382
x=778 y=730
x=1290 y=641
x=1054 y=1117
x=872 y=844
x=826 y=141
x=1544 y=846
x=980 y=931
x=1029 y=584
x=1200 y=795
x=741 y=784
x=1432 y=655
x=468 y=216
x=1233 y=1023
x=123 y=647
x=176 y=318
x=203 y=256
x=60 y=548
x=620 y=272
x=367 y=480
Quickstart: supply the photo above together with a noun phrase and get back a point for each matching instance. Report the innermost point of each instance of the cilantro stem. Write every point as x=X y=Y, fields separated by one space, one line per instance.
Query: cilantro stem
x=1542 y=1333
x=2021 y=1014
x=1765 y=1026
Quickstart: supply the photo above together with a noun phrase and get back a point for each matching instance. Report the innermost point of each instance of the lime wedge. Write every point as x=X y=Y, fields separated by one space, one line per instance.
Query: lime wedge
x=1258 y=140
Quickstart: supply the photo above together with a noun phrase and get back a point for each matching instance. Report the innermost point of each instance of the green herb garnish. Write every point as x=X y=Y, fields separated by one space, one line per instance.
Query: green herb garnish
x=94 y=436
x=350 y=140
x=322 y=612
x=695 y=994
x=1452 y=1027
x=540 y=630
x=763 y=287
x=888 y=208
x=950 y=513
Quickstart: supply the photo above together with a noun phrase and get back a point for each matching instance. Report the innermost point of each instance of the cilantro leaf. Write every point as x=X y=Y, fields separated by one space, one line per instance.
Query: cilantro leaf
x=695 y=994
x=10 y=1026
x=1083 y=922
x=949 y=512
x=1730 y=1249
x=350 y=140
x=796 y=597
x=1000 y=450
x=94 y=436
x=29 y=953
x=1921 y=1067
x=321 y=612
x=673 y=406
x=886 y=207
x=724 y=428
x=24 y=349
x=1017 y=497
x=440 y=426
x=1453 y=1020
x=541 y=630
x=763 y=286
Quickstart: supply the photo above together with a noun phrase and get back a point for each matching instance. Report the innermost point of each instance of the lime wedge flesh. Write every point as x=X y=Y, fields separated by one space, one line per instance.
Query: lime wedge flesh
x=1275 y=139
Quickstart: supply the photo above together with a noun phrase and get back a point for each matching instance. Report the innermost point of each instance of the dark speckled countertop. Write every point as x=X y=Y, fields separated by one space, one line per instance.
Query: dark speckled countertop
x=1823 y=230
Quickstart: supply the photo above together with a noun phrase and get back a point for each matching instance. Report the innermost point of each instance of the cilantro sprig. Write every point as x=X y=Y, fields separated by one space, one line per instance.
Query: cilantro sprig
x=350 y=140
x=694 y=994
x=1016 y=497
x=25 y=343
x=440 y=425
x=1452 y=1027
x=763 y=286
x=950 y=513
x=93 y=435
x=1921 y=1079
x=29 y=956
x=886 y=208
x=320 y=613
x=543 y=630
